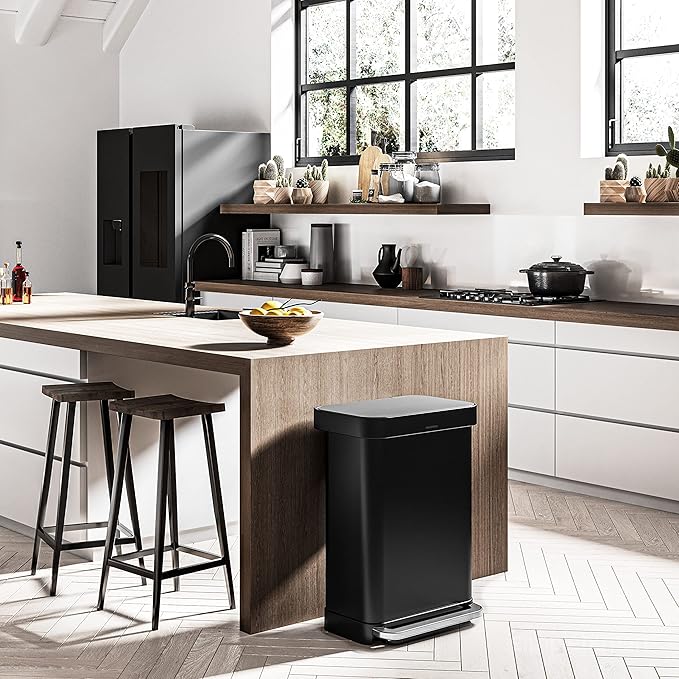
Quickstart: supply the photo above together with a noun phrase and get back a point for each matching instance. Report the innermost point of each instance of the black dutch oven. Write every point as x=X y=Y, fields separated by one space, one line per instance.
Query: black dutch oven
x=556 y=278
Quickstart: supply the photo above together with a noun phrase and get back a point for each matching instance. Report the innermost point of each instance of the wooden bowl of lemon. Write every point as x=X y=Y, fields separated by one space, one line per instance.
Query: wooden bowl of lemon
x=279 y=324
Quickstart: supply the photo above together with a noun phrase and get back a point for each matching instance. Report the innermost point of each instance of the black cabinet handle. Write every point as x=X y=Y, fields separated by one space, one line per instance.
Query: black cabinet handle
x=117 y=224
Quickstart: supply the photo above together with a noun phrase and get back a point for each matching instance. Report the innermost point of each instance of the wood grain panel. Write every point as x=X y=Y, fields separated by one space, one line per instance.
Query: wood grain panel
x=629 y=314
x=637 y=209
x=283 y=462
x=356 y=209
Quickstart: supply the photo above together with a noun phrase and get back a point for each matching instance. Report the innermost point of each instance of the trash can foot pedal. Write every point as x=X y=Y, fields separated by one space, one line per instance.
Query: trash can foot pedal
x=397 y=635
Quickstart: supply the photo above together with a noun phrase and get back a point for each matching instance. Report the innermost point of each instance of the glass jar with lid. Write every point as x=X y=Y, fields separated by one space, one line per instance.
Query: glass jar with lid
x=398 y=177
x=428 y=186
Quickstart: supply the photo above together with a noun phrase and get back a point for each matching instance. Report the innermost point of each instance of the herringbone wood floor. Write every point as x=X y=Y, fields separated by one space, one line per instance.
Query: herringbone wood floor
x=592 y=593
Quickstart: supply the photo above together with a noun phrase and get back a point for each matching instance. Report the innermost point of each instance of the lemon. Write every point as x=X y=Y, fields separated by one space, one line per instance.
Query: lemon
x=275 y=312
x=301 y=309
x=295 y=312
x=257 y=312
x=271 y=304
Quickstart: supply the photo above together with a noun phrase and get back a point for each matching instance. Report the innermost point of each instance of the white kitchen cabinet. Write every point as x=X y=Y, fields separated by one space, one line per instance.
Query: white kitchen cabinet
x=20 y=483
x=636 y=459
x=531 y=376
x=531 y=441
x=227 y=300
x=618 y=339
x=41 y=358
x=28 y=427
x=358 y=312
x=532 y=331
x=618 y=387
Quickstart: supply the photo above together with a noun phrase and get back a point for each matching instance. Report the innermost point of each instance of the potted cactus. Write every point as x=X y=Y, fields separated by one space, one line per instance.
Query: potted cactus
x=265 y=184
x=283 y=192
x=317 y=178
x=612 y=188
x=635 y=192
x=656 y=184
x=672 y=158
x=302 y=194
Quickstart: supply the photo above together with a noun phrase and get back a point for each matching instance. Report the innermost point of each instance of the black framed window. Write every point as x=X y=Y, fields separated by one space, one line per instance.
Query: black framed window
x=642 y=74
x=432 y=76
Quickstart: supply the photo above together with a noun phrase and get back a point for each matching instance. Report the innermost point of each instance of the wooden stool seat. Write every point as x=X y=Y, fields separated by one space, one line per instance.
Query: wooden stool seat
x=93 y=391
x=165 y=407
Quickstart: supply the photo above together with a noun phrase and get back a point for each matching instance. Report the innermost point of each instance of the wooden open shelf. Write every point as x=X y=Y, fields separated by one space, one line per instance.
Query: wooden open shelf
x=357 y=209
x=635 y=209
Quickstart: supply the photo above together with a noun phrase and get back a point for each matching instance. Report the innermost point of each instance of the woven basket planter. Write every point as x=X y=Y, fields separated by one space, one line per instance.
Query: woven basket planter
x=656 y=190
x=612 y=190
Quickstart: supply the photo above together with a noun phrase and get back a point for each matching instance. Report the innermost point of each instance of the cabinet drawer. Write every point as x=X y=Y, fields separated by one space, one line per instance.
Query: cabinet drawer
x=531 y=441
x=223 y=300
x=531 y=376
x=636 y=459
x=614 y=338
x=516 y=329
x=28 y=427
x=617 y=387
x=40 y=358
x=358 y=312
x=20 y=481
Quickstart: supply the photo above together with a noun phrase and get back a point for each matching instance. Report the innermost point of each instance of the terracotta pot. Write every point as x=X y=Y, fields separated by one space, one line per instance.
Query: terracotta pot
x=319 y=189
x=635 y=194
x=264 y=190
x=656 y=190
x=282 y=194
x=302 y=196
x=612 y=190
x=672 y=190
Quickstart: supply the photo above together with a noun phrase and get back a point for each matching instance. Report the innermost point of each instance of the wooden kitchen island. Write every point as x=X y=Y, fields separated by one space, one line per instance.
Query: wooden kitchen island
x=272 y=391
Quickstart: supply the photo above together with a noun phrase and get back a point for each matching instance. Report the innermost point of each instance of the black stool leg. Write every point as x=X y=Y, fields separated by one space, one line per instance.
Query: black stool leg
x=63 y=495
x=166 y=431
x=172 y=506
x=121 y=464
x=108 y=453
x=215 y=487
x=47 y=477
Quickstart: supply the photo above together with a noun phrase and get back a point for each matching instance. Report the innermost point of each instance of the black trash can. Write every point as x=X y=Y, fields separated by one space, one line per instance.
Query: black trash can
x=398 y=517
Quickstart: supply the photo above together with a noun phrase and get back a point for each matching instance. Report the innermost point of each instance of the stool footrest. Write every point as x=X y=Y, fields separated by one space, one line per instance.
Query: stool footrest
x=211 y=561
x=67 y=546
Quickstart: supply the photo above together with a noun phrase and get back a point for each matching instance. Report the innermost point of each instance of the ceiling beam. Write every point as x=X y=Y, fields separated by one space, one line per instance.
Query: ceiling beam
x=120 y=23
x=36 y=20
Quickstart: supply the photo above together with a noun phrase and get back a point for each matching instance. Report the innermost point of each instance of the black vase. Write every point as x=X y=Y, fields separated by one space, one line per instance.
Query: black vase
x=388 y=270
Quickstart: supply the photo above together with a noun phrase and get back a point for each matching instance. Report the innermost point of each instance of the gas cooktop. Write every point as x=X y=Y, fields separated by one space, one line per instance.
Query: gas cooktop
x=490 y=296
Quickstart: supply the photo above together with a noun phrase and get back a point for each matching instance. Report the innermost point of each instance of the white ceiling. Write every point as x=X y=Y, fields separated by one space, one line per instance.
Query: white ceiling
x=94 y=10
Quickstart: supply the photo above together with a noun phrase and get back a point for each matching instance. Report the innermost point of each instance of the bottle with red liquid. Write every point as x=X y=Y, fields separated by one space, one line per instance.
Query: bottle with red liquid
x=18 y=276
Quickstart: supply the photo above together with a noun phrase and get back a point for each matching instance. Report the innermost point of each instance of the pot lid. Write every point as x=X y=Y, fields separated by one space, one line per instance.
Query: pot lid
x=557 y=265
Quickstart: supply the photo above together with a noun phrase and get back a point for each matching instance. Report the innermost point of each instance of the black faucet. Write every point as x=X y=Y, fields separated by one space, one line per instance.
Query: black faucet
x=190 y=296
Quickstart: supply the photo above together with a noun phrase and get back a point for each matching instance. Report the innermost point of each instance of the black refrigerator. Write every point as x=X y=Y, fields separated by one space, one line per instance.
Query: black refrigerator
x=158 y=189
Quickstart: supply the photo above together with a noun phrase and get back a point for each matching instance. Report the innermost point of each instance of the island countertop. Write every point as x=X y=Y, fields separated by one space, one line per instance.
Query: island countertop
x=142 y=329
x=281 y=462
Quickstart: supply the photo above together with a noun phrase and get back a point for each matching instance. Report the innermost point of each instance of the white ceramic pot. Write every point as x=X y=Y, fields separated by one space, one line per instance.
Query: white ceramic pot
x=292 y=274
x=312 y=276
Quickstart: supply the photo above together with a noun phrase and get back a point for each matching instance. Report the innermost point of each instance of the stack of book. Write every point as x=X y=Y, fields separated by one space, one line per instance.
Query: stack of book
x=269 y=269
x=257 y=244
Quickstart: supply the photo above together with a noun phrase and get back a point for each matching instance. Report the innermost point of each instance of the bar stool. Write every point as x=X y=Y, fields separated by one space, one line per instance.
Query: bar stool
x=72 y=394
x=166 y=409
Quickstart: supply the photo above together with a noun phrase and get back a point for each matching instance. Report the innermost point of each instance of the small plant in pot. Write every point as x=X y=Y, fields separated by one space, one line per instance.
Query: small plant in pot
x=317 y=177
x=656 y=184
x=612 y=188
x=283 y=192
x=635 y=192
x=302 y=194
x=265 y=184
x=672 y=158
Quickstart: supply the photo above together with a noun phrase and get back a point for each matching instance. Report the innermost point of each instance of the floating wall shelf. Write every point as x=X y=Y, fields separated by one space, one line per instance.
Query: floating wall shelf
x=357 y=209
x=634 y=209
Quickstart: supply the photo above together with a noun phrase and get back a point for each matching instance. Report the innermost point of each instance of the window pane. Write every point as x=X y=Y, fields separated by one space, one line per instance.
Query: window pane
x=443 y=34
x=326 y=118
x=647 y=23
x=379 y=108
x=326 y=40
x=649 y=99
x=495 y=31
x=444 y=114
x=380 y=37
x=495 y=105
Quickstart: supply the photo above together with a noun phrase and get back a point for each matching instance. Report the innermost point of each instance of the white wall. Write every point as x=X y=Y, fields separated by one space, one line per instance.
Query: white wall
x=205 y=62
x=536 y=200
x=54 y=98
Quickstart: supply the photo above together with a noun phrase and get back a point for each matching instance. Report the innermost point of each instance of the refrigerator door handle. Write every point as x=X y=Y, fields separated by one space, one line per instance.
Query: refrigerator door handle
x=117 y=224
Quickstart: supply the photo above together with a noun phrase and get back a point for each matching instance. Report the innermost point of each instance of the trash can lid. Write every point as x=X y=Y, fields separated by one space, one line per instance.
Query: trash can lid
x=397 y=416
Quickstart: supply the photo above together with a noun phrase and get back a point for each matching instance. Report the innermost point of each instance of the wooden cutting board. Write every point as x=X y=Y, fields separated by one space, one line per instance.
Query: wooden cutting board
x=365 y=167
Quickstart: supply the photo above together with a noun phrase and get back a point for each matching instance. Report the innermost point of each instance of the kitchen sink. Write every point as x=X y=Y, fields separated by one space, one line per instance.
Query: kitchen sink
x=208 y=314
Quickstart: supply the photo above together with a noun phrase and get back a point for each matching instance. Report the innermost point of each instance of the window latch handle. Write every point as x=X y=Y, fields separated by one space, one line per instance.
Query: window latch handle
x=611 y=132
x=298 y=149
